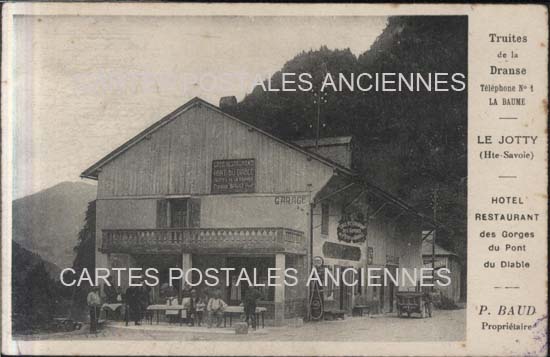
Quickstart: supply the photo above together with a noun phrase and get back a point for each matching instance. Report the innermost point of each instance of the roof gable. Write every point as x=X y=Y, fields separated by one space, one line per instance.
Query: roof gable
x=427 y=249
x=92 y=171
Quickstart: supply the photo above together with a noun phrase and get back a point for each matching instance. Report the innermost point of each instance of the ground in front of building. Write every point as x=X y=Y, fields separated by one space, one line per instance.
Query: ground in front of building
x=445 y=325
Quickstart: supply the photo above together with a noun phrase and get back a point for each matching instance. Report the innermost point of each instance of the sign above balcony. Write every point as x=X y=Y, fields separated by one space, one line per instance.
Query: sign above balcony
x=233 y=176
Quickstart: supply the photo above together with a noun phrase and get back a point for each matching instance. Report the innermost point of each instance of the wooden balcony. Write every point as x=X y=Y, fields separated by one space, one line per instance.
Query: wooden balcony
x=203 y=241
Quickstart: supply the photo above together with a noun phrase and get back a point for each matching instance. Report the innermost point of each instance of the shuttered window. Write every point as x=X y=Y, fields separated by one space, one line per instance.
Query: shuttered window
x=162 y=213
x=179 y=213
x=194 y=212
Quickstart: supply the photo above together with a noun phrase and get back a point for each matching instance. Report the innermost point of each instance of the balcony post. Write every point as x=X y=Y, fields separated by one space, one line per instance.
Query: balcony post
x=186 y=264
x=280 y=262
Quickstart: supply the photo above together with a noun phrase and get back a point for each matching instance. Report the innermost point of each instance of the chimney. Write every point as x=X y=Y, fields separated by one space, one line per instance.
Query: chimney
x=228 y=102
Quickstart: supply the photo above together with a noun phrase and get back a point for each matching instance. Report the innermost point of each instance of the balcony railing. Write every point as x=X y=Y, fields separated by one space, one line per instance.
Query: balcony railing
x=204 y=240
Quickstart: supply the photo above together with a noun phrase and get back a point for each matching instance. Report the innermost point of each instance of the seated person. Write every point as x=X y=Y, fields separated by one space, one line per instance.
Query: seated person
x=191 y=307
x=111 y=291
x=172 y=315
x=215 y=308
x=200 y=307
x=187 y=304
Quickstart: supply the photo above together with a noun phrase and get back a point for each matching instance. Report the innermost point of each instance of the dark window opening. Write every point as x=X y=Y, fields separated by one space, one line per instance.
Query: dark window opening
x=324 y=218
x=179 y=213
x=257 y=270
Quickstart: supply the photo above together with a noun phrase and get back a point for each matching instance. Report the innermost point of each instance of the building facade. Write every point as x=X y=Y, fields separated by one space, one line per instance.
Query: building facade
x=443 y=258
x=202 y=189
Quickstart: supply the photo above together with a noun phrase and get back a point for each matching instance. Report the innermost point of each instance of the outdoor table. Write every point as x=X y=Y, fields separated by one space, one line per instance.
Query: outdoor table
x=163 y=307
x=110 y=308
x=359 y=310
x=237 y=310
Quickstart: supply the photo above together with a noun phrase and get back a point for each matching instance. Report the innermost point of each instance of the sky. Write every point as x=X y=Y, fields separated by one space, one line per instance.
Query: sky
x=86 y=84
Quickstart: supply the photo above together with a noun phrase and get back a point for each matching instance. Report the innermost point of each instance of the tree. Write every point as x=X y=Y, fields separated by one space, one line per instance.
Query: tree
x=85 y=251
x=410 y=142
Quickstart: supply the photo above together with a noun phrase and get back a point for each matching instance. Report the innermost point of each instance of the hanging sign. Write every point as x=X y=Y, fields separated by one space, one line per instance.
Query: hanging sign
x=351 y=231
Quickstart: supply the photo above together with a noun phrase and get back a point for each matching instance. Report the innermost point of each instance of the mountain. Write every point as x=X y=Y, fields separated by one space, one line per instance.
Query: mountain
x=24 y=261
x=47 y=222
x=410 y=143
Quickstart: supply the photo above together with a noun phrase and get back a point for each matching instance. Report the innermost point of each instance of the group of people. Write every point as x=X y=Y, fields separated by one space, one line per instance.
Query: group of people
x=138 y=298
x=216 y=306
x=197 y=306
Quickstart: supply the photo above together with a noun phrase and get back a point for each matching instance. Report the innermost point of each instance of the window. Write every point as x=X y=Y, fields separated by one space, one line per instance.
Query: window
x=268 y=292
x=360 y=283
x=235 y=293
x=324 y=218
x=178 y=213
x=162 y=213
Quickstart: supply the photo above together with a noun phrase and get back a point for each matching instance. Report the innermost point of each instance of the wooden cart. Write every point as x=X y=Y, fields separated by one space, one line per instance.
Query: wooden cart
x=409 y=302
x=65 y=324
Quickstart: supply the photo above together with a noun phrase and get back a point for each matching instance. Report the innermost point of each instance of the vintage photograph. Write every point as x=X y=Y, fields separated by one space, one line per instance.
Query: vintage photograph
x=239 y=178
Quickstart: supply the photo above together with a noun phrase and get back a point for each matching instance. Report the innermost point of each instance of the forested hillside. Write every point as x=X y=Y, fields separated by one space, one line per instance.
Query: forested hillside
x=412 y=143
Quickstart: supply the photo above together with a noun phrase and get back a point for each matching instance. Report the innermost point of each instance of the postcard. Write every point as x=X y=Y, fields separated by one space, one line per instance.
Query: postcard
x=274 y=179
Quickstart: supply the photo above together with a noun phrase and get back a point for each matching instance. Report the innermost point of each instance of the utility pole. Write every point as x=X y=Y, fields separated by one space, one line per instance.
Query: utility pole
x=434 y=203
x=320 y=98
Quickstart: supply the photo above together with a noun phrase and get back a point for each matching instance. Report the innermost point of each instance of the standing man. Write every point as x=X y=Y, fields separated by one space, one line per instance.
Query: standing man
x=134 y=304
x=143 y=298
x=94 y=304
x=250 y=299
x=191 y=308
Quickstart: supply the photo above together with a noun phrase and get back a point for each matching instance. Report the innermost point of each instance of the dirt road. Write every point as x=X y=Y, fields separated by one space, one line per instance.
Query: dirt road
x=444 y=326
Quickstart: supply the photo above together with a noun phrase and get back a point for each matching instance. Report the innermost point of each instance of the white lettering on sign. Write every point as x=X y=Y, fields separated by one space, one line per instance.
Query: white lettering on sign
x=233 y=176
x=291 y=200
x=352 y=232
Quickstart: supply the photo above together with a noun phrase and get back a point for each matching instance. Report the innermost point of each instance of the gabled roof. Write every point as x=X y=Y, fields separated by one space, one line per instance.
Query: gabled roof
x=427 y=249
x=92 y=171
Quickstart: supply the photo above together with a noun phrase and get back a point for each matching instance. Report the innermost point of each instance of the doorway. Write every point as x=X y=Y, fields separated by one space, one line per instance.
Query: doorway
x=256 y=270
x=162 y=262
x=345 y=290
x=392 y=287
